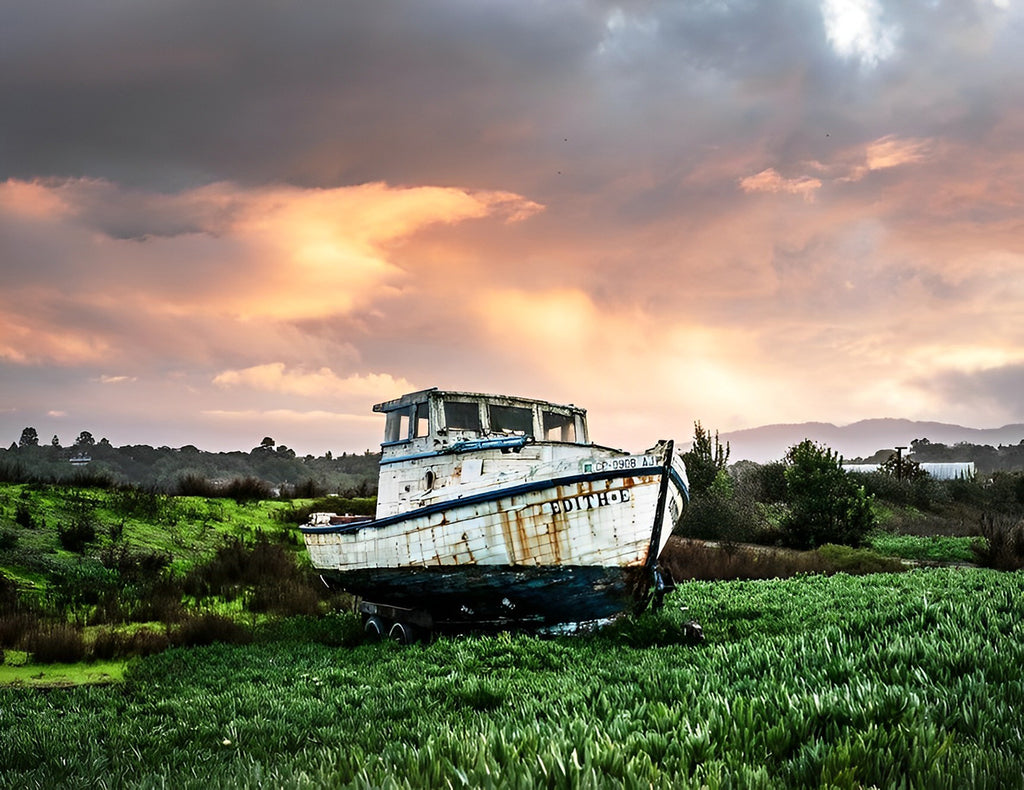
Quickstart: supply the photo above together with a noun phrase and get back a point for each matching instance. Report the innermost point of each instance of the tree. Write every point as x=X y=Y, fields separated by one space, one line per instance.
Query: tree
x=826 y=505
x=85 y=439
x=55 y=442
x=266 y=446
x=705 y=461
x=902 y=468
x=29 y=438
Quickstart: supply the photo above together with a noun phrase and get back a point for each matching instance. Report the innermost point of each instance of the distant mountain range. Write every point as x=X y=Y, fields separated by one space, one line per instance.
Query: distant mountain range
x=859 y=439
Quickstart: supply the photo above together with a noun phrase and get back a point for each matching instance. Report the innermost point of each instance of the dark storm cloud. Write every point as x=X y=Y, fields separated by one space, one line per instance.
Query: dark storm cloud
x=1000 y=386
x=315 y=92
x=543 y=99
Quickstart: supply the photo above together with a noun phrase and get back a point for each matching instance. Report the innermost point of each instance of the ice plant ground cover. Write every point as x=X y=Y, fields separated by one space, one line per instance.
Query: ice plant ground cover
x=908 y=679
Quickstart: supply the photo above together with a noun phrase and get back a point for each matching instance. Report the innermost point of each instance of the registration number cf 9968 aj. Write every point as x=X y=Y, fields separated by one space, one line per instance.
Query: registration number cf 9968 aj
x=616 y=464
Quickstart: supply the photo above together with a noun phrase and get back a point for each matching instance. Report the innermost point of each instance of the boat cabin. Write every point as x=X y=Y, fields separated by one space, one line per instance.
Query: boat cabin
x=442 y=419
x=438 y=439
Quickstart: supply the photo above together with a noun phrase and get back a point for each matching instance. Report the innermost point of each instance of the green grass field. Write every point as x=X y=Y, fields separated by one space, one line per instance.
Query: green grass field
x=934 y=548
x=905 y=680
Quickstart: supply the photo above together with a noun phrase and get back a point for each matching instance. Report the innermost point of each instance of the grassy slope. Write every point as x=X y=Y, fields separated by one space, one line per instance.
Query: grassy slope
x=815 y=681
x=61 y=675
x=189 y=529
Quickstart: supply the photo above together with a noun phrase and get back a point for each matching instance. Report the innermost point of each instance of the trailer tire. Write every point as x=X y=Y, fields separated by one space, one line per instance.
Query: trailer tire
x=403 y=633
x=374 y=629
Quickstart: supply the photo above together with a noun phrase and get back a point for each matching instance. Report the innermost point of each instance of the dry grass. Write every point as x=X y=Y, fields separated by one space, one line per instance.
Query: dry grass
x=688 y=559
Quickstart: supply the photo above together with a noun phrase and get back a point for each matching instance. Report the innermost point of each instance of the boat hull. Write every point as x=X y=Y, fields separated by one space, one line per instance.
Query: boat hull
x=579 y=546
x=489 y=595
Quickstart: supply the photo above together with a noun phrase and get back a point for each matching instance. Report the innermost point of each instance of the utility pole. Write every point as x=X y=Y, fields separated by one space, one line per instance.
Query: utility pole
x=899 y=462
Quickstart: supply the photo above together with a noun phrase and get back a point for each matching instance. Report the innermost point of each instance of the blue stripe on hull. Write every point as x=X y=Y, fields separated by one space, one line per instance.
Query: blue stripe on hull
x=488 y=496
x=508 y=594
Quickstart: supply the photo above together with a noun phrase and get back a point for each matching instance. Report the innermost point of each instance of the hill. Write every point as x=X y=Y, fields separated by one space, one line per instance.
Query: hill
x=860 y=439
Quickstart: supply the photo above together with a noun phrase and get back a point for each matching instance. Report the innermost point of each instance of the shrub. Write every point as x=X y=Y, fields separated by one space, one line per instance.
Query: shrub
x=196 y=485
x=133 y=502
x=714 y=515
x=967 y=492
x=8 y=539
x=161 y=601
x=705 y=461
x=307 y=489
x=771 y=482
x=135 y=565
x=146 y=642
x=1006 y=492
x=265 y=572
x=55 y=643
x=80 y=582
x=248 y=489
x=1003 y=544
x=92 y=478
x=8 y=594
x=286 y=597
x=846 y=559
x=209 y=628
x=14 y=626
x=826 y=505
x=110 y=644
x=76 y=536
x=23 y=516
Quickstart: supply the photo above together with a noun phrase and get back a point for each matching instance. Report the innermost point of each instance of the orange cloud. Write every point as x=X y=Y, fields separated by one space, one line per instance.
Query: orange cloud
x=276 y=377
x=770 y=180
x=29 y=340
x=31 y=199
x=232 y=260
x=636 y=365
x=892 y=151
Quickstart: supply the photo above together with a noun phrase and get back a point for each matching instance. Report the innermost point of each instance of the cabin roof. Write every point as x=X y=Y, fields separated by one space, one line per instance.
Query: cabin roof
x=435 y=393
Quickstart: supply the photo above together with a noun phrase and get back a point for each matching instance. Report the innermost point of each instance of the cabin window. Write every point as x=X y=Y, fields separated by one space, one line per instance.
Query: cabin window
x=422 y=420
x=511 y=419
x=559 y=427
x=462 y=416
x=396 y=429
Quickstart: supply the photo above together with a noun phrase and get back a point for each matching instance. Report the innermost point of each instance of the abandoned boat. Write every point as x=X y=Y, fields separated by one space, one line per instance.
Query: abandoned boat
x=498 y=511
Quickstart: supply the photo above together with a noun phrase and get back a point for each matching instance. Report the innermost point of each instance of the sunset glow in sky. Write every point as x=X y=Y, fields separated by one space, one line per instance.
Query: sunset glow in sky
x=226 y=220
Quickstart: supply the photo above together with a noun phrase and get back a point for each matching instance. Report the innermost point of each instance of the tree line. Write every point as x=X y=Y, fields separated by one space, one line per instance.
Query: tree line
x=173 y=470
x=807 y=499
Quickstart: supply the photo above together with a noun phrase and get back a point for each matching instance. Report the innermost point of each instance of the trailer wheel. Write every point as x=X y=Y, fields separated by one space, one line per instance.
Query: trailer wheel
x=374 y=629
x=403 y=633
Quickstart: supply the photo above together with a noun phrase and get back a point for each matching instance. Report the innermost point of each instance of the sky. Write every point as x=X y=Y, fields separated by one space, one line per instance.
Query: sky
x=222 y=220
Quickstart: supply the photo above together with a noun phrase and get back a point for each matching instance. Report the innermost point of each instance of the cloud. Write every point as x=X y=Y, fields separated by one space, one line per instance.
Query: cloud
x=276 y=377
x=506 y=196
x=857 y=28
x=769 y=180
x=891 y=151
x=991 y=395
x=239 y=261
x=292 y=416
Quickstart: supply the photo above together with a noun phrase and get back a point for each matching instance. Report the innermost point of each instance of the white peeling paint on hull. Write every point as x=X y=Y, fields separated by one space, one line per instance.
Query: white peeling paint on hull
x=500 y=507
x=566 y=551
x=592 y=522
